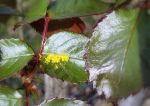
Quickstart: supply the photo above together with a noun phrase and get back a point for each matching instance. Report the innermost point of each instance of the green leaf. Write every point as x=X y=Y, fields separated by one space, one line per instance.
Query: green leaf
x=10 y=97
x=35 y=10
x=121 y=1
x=72 y=44
x=63 y=102
x=109 y=1
x=4 y=10
x=144 y=38
x=14 y=55
x=75 y=8
x=114 y=53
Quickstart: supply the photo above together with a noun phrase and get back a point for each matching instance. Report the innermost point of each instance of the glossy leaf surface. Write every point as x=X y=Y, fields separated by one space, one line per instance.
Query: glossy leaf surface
x=14 y=55
x=71 y=44
x=114 y=53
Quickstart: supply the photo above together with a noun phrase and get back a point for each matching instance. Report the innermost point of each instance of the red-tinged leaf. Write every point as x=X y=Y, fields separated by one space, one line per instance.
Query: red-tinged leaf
x=70 y=24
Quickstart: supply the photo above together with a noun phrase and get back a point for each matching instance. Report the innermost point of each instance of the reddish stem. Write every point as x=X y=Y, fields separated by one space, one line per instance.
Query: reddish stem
x=38 y=56
x=43 y=37
x=27 y=99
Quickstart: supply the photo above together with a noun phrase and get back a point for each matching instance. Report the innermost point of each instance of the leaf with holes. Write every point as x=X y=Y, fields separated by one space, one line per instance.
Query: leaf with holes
x=72 y=45
x=63 y=102
x=114 y=53
x=74 y=8
x=10 y=97
x=14 y=55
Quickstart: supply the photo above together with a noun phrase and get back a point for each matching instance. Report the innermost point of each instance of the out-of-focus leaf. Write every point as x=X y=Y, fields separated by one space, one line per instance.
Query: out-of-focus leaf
x=109 y=1
x=10 y=3
x=122 y=1
x=144 y=42
x=35 y=10
x=114 y=53
x=63 y=102
x=4 y=10
x=75 y=8
x=148 y=11
x=14 y=54
x=71 y=24
x=3 y=29
x=71 y=44
x=10 y=97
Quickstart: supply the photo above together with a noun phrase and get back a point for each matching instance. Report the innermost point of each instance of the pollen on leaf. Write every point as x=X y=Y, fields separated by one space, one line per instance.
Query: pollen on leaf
x=64 y=57
x=56 y=58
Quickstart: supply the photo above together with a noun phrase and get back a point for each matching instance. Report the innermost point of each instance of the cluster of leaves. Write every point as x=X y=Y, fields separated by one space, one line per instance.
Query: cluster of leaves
x=116 y=55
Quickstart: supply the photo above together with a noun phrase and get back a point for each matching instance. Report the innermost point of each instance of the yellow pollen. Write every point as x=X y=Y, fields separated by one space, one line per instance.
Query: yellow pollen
x=56 y=58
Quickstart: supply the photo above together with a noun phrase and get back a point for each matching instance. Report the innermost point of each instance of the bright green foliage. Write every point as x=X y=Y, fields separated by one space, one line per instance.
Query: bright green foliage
x=66 y=43
x=114 y=52
x=14 y=55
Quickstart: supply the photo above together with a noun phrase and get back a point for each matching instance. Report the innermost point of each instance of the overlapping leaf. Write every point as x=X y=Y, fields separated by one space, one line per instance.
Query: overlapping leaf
x=35 y=10
x=10 y=97
x=114 y=53
x=72 y=44
x=63 y=102
x=14 y=55
x=75 y=8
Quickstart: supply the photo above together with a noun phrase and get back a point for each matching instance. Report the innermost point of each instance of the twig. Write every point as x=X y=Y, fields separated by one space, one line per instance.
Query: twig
x=38 y=55
x=27 y=98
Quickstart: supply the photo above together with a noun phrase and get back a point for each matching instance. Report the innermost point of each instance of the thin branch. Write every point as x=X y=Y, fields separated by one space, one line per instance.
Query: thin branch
x=27 y=98
x=43 y=37
x=38 y=55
